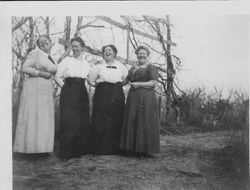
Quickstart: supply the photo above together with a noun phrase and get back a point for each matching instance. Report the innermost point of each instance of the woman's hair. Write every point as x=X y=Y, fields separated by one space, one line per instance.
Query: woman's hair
x=112 y=47
x=142 y=47
x=45 y=36
x=78 y=39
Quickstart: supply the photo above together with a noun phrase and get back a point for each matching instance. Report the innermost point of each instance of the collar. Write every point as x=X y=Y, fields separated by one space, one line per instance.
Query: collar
x=143 y=66
x=113 y=64
x=79 y=58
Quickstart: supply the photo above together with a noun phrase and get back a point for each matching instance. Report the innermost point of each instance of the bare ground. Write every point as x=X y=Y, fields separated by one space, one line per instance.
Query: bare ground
x=194 y=161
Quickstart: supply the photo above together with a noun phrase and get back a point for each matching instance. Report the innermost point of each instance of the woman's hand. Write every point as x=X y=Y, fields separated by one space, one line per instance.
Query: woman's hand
x=135 y=84
x=147 y=85
x=52 y=70
x=45 y=74
x=59 y=81
x=100 y=79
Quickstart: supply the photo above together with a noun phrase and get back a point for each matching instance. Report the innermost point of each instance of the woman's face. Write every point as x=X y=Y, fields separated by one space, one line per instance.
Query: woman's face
x=45 y=44
x=108 y=54
x=76 y=48
x=142 y=56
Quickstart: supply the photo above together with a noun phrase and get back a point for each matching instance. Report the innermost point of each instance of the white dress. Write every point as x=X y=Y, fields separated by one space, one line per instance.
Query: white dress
x=36 y=125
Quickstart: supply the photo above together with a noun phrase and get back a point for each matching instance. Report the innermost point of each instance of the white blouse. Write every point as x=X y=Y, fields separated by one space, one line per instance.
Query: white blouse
x=116 y=72
x=38 y=60
x=71 y=67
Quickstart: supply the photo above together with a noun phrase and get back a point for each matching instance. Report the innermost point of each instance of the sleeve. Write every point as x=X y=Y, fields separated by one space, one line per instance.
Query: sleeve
x=93 y=73
x=53 y=67
x=46 y=65
x=29 y=66
x=130 y=74
x=87 y=68
x=60 y=73
x=152 y=72
x=124 y=71
x=61 y=68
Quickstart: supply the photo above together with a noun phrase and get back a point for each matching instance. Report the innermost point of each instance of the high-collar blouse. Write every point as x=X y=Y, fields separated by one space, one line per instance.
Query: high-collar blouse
x=71 y=67
x=116 y=72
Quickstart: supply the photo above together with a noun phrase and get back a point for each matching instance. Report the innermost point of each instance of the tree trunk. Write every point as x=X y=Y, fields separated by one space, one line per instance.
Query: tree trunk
x=17 y=91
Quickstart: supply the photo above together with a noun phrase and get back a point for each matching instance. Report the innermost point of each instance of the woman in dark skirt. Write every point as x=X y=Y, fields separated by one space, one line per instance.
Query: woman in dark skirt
x=108 y=102
x=74 y=103
x=140 y=130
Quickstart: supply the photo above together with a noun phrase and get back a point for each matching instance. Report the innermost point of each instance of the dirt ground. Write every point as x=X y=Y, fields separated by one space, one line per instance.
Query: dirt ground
x=197 y=161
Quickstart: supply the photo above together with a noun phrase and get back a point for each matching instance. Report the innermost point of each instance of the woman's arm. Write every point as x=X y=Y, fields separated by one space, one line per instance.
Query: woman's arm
x=45 y=74
x=59 y=81
x=59 y=74
x=148 y=85
x=53 y=69
x=28 y=66
x=152 y=74
x=91 y=83
x=92 y=77
x=125 y=81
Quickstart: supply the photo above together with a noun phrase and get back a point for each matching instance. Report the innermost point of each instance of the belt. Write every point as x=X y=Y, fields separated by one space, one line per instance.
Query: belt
x=74 y=79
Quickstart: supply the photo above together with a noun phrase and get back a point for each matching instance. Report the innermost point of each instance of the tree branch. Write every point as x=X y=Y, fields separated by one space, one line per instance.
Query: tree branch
x=93 y=26
x=124 y=27
x=19 y=24
x=18 y=55
x=78 y=27
x=153 y=49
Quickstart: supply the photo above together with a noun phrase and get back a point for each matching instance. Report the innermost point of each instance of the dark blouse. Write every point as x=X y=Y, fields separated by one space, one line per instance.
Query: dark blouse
x=143 y=74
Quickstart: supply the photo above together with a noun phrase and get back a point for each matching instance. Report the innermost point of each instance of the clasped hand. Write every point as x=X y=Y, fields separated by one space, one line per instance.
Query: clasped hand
x=45 y=74
x=135 y=84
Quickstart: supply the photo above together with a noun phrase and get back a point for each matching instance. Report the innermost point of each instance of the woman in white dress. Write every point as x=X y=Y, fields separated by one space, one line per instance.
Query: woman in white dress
x=74 y=103
x=108 y=102
x=35 y=124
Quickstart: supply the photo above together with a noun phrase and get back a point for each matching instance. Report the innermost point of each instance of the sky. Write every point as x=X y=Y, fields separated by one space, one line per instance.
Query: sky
x=214 y=50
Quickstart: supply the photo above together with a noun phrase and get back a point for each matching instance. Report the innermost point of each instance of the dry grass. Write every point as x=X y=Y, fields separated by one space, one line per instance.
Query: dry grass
x=193 y=161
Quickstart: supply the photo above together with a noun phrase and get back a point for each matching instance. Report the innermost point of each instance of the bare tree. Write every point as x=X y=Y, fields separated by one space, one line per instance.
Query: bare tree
x=150 y=31
x=20 y=54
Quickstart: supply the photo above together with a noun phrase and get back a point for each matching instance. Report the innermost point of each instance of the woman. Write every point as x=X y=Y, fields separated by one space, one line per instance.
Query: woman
x=108 y=102
x=35 y=124
x=140 y=130
x=74 y=103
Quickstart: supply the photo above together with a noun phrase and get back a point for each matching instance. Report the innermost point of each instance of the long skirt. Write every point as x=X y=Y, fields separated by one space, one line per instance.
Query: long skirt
x=108 y=107
x=140 y=130
x=74 y=129
x=35 y=124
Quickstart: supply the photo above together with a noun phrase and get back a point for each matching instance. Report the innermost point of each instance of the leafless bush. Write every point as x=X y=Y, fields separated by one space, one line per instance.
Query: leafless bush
x=209 y=109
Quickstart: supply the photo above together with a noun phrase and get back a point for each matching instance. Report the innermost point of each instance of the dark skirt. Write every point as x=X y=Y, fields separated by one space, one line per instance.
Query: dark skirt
x=140 y=130
x=74 y=119
x=108 y=107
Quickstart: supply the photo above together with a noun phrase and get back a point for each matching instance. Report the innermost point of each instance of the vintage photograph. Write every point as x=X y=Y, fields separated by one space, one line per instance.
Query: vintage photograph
x=130 y=102
x=124 y=96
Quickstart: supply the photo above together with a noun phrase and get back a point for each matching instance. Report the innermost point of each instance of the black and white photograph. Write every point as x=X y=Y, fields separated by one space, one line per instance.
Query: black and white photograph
x=101 y=98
